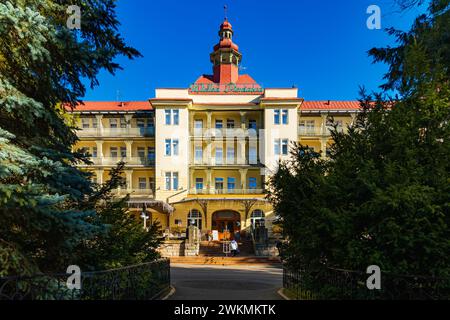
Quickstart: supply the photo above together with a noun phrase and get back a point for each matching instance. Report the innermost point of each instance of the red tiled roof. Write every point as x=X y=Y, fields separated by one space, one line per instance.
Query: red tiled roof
x=112 y=106
x=330 y=105
x=243 y=79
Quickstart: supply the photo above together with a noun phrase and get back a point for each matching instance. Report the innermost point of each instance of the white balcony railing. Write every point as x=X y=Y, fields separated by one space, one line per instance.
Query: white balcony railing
x=223 y=132
x=133 y=192
x=225 y=191
x=223 y=162
x=112 y=161
x=116 y=132
x=317 y=131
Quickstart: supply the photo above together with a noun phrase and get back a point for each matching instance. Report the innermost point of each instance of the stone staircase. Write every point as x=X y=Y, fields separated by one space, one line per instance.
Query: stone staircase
x=215 y=260
x=215 y=248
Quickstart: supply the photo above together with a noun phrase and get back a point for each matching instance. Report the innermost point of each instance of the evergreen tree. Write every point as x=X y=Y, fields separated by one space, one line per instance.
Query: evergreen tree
x=43 y=215
x=383 y=196
x=125 y=241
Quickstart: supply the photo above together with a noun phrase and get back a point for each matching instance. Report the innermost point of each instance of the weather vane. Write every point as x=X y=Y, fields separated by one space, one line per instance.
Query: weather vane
x=225 y=9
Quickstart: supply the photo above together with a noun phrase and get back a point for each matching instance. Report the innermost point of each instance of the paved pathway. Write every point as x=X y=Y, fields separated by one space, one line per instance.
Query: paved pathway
x=234 y=282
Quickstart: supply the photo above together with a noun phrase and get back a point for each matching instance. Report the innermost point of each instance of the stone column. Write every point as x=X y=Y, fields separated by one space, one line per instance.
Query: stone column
x=99 y=118
x=241 y=155
x=323 y=147
x=129 y=145
x=99 y=145
x=209 y=119
x=243 y=120
x=128 y=118
x=208 y=173
x=192 y=181
x=324 y=125
x=129 y=179
x=99 y=174
x=243 y=173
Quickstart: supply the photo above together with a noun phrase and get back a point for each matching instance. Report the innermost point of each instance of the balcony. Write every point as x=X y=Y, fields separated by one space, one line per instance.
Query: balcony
x=132 y=161
x=225 y=191
x=116 y=132
x=133 y=192
x=317 y=131
x=217 y=162
x=223 y=133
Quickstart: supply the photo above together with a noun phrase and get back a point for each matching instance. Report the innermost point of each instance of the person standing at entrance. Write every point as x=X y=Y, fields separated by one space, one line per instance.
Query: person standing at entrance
x=234 y=247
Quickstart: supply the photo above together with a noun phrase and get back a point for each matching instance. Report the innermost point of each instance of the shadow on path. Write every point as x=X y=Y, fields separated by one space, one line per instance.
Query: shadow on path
x=199 y=282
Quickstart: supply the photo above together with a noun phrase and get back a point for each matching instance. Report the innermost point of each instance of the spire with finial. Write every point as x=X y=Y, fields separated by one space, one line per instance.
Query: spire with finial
x=226 y=56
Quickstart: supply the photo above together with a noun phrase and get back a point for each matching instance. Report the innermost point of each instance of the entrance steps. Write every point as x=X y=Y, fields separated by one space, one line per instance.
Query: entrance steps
x=215 y=260
x=215 y=248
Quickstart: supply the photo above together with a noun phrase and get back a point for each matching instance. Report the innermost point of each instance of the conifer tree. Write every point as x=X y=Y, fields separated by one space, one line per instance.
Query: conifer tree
x=43 y=216
x=383 y=195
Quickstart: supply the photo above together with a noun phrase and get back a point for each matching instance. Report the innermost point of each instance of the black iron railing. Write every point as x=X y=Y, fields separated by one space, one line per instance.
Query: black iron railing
x=148 y=281
x=333 y=283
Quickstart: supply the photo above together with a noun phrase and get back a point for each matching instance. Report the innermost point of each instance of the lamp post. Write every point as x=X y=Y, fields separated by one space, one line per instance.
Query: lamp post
x=144 y=216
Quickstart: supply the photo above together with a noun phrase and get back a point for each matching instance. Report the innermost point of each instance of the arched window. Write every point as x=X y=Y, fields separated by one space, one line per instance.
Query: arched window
x=195 y=218
x=257 y=218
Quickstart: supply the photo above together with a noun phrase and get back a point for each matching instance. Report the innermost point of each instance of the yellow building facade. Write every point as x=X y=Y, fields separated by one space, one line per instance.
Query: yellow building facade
x=202 y=155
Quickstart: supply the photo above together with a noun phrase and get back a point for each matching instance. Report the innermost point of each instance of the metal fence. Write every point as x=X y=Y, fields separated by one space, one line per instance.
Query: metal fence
x=148 y=281
x=331 y=283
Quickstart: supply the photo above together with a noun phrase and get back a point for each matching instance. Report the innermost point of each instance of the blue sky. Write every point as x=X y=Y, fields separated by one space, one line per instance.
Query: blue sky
x=320 y=46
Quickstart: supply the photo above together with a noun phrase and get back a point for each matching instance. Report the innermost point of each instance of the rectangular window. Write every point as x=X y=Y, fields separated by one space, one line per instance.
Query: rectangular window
x=219 y=156
x=276 y=116
x=230 y=155
x=284 y=146
x=168 y=180
x=175 y=145
x=142 y=183
x=284 y=116
x=198 y=124
x=307 y=127
x=219 y=124
x=252 y=124
x=168 y=116
x=113 y=152
x=150 y=122
x=140 y=123
x=176 y=117
x=219 y=184
x=175 y=180
x=94 y=152
x=198 y=127
x=198 y=154
x=252 y=184
x=123 y=152
x=85 y=123
x=123 y=123
x=231 y=183
x=252 y=155
x=151 y=155
x=168 y=150
x=94 y=123
x=199 y=183
x=141 y=152
x=230 y=124
x=276 y=145
x=151 y=183
x=113 y=123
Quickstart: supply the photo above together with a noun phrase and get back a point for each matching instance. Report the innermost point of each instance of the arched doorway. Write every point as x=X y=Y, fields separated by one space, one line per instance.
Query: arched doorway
x=227 y=223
